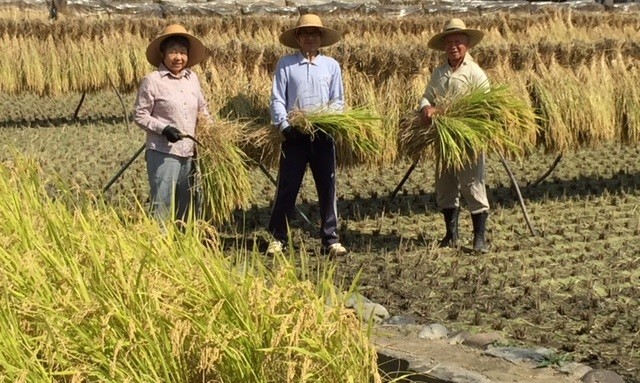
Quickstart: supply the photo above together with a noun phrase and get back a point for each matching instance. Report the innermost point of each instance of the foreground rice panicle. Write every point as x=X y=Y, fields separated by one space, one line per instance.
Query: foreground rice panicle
x=357 y=134
x=89 y=296
x=482 y=120
x=223 y=170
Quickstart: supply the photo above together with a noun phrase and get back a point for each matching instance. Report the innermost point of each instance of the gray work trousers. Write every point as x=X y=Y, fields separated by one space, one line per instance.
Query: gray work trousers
x=171 y=183
x=469 y=182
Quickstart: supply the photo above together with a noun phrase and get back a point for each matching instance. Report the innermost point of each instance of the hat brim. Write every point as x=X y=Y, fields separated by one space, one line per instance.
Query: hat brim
x=437 y=41
x=197 y=50
x=329 y=37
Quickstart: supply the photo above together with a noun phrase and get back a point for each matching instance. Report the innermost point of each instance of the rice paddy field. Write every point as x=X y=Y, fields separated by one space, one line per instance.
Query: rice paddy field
x=574 y=286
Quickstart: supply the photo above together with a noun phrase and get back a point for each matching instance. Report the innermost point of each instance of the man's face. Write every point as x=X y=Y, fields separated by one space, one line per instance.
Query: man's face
x=309 y=39
x=456 y=46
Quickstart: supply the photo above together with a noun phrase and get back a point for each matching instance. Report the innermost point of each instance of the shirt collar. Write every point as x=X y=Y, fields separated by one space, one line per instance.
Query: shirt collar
x=166 y=72
x=303 y=60
x=465 y=61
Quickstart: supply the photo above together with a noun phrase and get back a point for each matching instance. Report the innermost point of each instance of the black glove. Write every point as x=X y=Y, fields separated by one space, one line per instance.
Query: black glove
x=172 y=134
x=292 y=134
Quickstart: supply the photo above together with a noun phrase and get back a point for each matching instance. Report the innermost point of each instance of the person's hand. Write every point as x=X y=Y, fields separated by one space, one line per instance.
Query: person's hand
x=291 y=134
x=172 y=134
x=426 y=114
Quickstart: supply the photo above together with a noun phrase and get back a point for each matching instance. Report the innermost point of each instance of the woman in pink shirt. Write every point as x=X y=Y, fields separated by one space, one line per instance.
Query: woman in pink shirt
x=167 y=107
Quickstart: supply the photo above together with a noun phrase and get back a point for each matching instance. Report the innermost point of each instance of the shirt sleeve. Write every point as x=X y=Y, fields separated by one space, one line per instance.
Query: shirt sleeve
x=203 y=105
x=143 y=108
x=279 y=97
x=429 y=96
x=336 y=90
x=480 y=78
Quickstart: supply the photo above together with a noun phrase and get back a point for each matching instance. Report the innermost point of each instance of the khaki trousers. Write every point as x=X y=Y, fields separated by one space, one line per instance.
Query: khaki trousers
x=469 y=182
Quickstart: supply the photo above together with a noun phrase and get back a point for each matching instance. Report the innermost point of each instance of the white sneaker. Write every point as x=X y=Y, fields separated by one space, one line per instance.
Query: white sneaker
x=336 y=250
x=275 y=247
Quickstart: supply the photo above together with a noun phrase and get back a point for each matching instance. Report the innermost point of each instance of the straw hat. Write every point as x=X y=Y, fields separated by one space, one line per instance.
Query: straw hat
x=329 y=36
x=455 y=26
x=196 y=48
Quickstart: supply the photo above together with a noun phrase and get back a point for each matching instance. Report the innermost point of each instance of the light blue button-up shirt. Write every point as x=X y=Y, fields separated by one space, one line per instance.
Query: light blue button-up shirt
x=302 y=85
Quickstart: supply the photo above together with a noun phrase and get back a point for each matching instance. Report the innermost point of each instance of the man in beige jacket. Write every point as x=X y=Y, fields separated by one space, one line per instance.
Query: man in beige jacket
x=458 y=74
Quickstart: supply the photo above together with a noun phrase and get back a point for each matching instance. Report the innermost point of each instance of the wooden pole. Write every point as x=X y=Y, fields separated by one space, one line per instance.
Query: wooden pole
x=546 y=174
x=124 y=108
x=123 y=168
x=403 y=180
x=515 y=185
x=75 y=114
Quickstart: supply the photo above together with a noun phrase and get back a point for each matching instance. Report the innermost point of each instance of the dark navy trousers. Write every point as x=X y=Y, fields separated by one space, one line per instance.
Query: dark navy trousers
x=320 y=154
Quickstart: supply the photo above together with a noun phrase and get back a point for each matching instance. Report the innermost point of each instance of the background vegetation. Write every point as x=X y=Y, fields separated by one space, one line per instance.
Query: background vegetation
x=574 y=287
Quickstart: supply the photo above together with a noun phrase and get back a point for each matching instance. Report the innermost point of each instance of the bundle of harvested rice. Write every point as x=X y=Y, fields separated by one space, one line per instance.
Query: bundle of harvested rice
x=482 y=120
x=357 y=133
x=223 y=170
x=261 y=144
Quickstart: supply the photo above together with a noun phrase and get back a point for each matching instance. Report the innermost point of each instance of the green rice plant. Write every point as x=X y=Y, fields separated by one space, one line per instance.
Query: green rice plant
x=357 y=133
x=223 y=170
x=88 y=296
x=481 y=120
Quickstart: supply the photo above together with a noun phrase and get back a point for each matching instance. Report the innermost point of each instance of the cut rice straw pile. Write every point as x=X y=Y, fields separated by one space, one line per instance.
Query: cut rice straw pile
x=223 y=170
x=357 y=133
x=482 y=120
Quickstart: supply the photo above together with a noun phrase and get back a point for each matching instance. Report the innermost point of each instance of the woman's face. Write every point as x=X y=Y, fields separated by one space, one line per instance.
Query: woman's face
x=175 y=57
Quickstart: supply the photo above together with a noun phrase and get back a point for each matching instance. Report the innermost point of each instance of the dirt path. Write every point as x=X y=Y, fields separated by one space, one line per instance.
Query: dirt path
x=438 y=361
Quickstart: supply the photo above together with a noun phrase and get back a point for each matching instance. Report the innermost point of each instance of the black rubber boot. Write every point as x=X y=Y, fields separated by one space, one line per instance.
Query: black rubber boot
x=451 y=223
x=479 y=227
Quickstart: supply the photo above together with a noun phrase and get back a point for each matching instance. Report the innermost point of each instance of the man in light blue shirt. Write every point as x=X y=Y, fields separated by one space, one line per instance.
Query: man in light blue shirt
x=306 y=81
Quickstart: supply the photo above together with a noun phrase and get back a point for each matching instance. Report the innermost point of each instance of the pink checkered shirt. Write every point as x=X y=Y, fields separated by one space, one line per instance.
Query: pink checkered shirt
x=165 y=99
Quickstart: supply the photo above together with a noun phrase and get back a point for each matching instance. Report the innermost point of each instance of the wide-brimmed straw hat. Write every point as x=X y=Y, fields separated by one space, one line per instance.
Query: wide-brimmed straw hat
x=455 y=26
x=329 y=36
x=196 y=48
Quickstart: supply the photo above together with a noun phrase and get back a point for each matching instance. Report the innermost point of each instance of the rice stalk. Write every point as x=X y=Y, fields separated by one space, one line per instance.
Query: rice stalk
x=262 y=144
x=223 y=170
x=598 y=111
x=627 y=99
x=88 y=297
x=554 y=133
x=357 y=133
x=482 y=120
